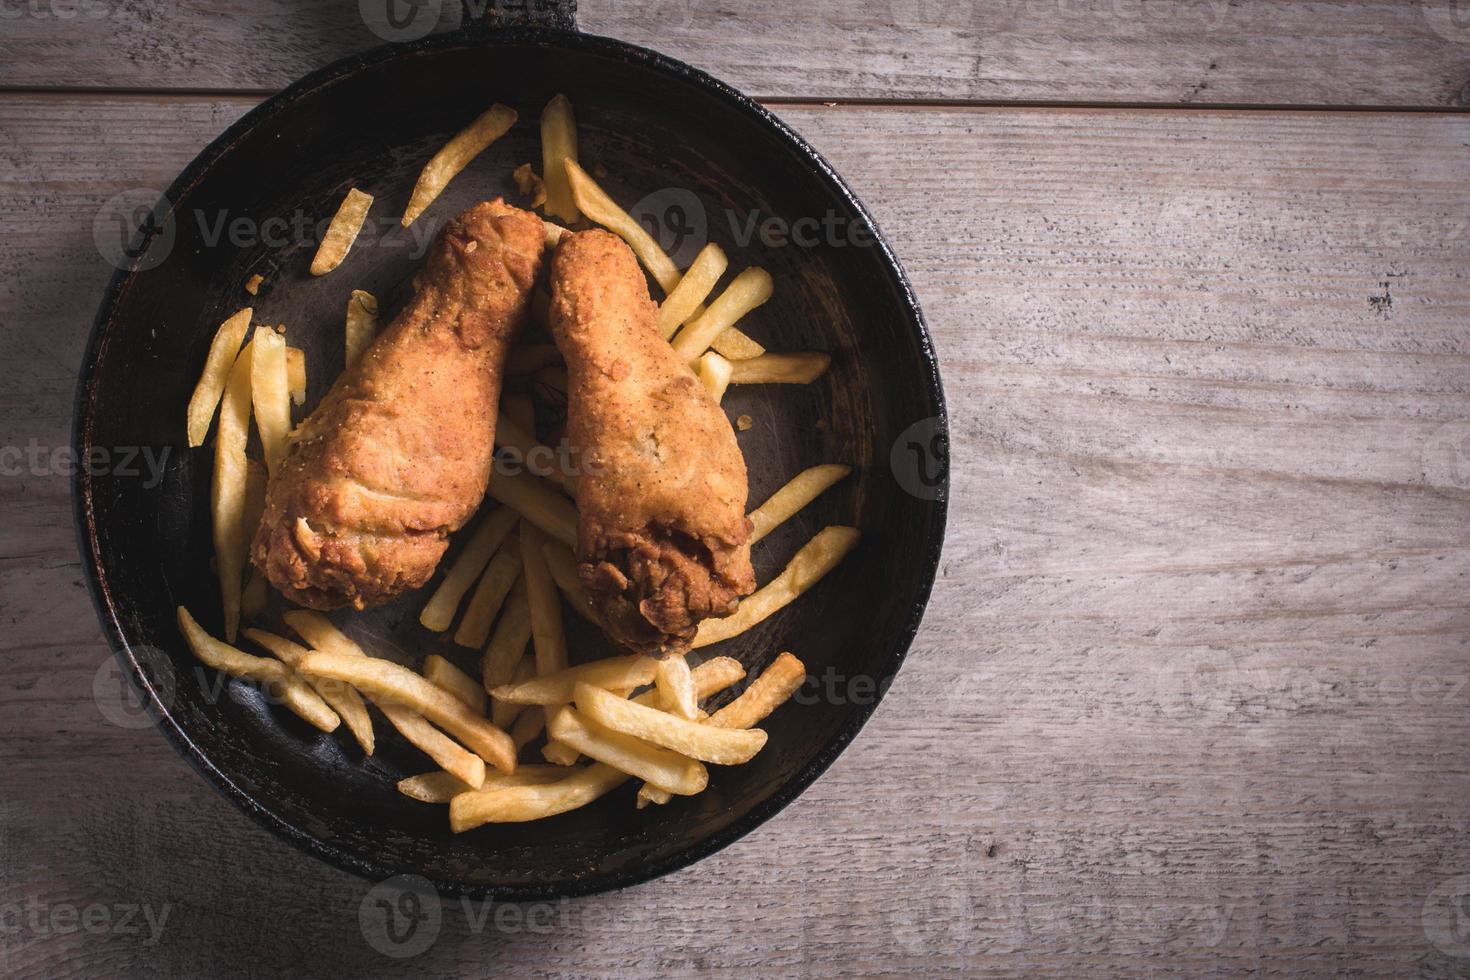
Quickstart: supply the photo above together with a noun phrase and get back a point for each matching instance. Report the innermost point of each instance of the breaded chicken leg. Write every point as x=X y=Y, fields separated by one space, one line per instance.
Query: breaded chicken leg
x=397 y=455
x=663 y=540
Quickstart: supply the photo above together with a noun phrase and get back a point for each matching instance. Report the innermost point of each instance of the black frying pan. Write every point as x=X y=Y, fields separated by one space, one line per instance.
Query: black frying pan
x=710 y=159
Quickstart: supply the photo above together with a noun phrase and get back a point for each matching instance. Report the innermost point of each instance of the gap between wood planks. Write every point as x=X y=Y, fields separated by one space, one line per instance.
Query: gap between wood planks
x=779 y=102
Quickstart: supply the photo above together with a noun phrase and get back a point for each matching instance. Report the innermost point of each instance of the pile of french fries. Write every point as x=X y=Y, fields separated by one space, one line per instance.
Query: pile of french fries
x=597 y=724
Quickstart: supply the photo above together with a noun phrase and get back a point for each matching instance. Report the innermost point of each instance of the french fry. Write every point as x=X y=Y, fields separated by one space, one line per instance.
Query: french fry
x=508 y=642
x=686 y=300
x=449 y=755
x=296 y=374
x=556 y=752
x=441 y=787
x=438 y=613
x=749 y=290
x=455 y=155
x=342 y=232
x=536 y=501
x=227 y=489
x=504 y=713
x=518 y=804
x=631 y=671
x=669 y=771
x=781 y=369
x=710 y=677
x=387 y=681
x=563 y=566
x=499 y=578
x=802 y=489
x=343 y=698
x=815 y=559
x=554 y=233
x=675 y=686
x=253 y=597
x=270 y=394
x=726 y=747
x=736 y=346
x=528 y=724
x=546 y=626
x=764 y=695
x=361 y=323
x=597 y=206
x=559 y=144
x=319 y=633
x=714 y=373
x=530 y=454
x=223 y=352
x=295 y=693
x=457 y=682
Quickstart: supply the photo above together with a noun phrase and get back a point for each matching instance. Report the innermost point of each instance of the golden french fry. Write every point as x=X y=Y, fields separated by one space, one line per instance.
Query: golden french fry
x=538 y=502
x=675 y=686
x=438 y=613
x=223 y=352
x=319 y=633
x=255 y=481
x=596 y=205
x=554 y=232
x=558 y=144
x=736 y=346
x=541 y=595
x=714 y=373
x=448 y=754
x=342 y=232
x=710 y=677
x=528 y=359
x=227 y=489
x=538 y=460
x=343 y=698
x=296 y=374
x=764 y=695
x=504 y=713
x=270 y=394
x=528 y=725
x=726 y=747
x=361 y=324
x=509 y=640
x=781 y=369
x=815 y=559
x=632 y=671
x=559 y=753
x=457 y=682
x=563 y=566
x=802 y=489
x=441 y=787
x=455 y=155
x=517 y=804
x=686 y=300
x=669 y=771
x=499 y=578
x=386 y=681
x=295 y=693
x=749 y=290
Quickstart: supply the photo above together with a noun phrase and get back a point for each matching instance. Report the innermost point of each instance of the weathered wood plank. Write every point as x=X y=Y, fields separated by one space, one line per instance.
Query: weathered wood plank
x=1324 y=52
x=1192 y=692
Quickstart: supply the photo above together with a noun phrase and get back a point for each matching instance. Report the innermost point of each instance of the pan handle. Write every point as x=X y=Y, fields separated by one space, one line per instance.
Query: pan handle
x=492 y=14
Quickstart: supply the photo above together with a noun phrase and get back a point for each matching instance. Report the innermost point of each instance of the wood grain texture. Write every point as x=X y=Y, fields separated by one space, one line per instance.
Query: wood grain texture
x=1264 y=52
x=1192 y=692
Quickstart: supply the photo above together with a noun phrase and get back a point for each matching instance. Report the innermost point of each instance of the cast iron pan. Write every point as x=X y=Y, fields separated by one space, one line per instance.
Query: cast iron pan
x=703 y=160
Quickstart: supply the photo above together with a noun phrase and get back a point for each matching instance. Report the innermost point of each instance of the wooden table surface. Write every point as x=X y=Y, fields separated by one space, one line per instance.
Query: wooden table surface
x=1193 y=694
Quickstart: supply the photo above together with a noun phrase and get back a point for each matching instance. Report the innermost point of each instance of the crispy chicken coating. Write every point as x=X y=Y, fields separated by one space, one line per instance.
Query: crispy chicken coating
x=397 y=456
x=663 y=540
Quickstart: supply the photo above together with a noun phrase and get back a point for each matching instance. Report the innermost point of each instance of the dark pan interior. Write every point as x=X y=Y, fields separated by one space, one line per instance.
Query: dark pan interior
x=659 y=130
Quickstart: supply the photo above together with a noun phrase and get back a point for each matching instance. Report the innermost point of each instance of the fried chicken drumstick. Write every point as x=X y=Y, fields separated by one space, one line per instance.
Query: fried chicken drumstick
x=663 y=540
x=397 y=455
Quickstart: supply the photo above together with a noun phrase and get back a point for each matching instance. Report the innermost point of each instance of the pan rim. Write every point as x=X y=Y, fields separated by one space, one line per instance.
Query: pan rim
x=892 y=655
